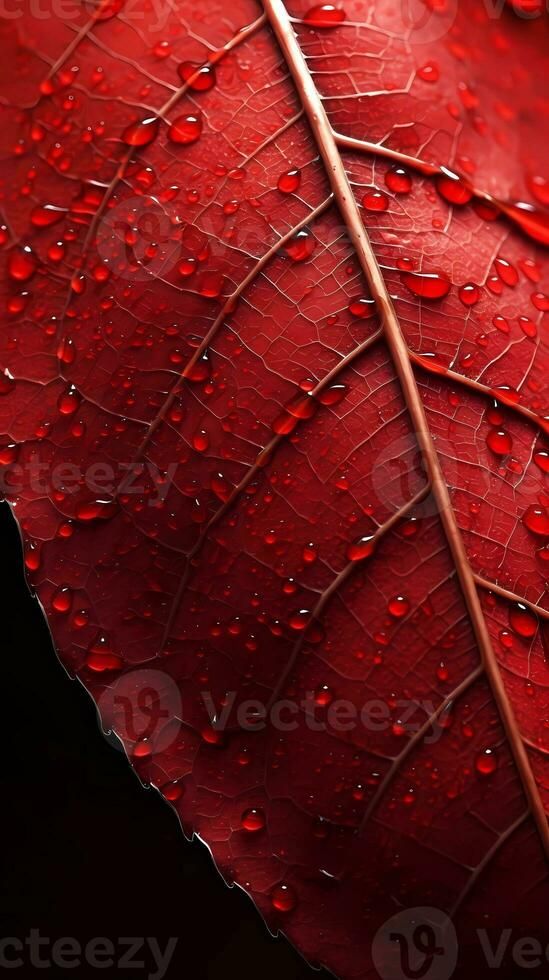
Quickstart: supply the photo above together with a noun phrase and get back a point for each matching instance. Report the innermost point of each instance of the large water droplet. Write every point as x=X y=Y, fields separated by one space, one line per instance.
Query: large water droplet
x=22 y=264
x=536 y=519
x=325 y=15
x=432 y=285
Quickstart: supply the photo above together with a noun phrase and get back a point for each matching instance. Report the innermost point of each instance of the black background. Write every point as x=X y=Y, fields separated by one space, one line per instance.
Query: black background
x=87 y=851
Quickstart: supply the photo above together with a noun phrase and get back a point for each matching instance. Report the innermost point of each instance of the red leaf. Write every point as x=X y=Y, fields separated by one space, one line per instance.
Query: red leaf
x=274 y=403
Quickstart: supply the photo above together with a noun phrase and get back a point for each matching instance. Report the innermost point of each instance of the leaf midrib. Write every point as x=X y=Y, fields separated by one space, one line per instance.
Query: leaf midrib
x=324 y=136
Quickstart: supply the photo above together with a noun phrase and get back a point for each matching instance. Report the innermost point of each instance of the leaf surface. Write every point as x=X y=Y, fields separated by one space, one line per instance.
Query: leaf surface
x=275 y=407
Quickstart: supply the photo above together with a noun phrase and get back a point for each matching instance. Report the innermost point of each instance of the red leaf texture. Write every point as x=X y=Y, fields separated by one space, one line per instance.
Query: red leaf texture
x=274 y=410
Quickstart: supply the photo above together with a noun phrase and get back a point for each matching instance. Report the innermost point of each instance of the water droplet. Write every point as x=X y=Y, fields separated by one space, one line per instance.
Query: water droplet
x=486 y=762
x=309 y=553
x=66 y=351
x=332 y=395
x=325 y=15
x=187 y=267
x=541 y=302
x=432 y=285
x=501 y=324
x=375 y=200
x=212 y=736
x=398 y=607
x=253 y=820
x=186 y=129
x=289 y=182
x=101 y=656
x=22 y=264
x=69 y=401
x=528 y=327
x=96 y=510
x=522 y=621
x=536 y=519
x=43 y=216
x=221 y=487
x=453 y=189
x=539 y=188
x=469 y=294
x=7 y=383
x=141 y=133
x=428 y=72
x=300 y=619
x=62 y=599
x=200 y=78
x=506 y=272
x=398 y=180
x=500 y=442
x=361 y=308
x=323 y=696
x=541 y=458
x=361 y=549
x=201 y=441
x=301 y=246
x=172 y=791
x=283 y=898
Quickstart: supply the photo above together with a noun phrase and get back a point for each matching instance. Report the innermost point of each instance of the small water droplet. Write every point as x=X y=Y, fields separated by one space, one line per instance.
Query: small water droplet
x=375 y=200
x=522 y=621
x=323 y=696
x=22 y=264
x=453 y=189
x=469 y=294
x=253 y=820
x=361 y=549
x=506 y=272
x=62 y=599
x=429 y=72
x=398 y=180
x=541 y=458
x=500 y=442
x=200 y=78
x=186 y=129
x=69 y=401
x=398 y=607
x=283 y=898
x=289 y=182
x=141 y=133
x=486 y=762
x=301 y=246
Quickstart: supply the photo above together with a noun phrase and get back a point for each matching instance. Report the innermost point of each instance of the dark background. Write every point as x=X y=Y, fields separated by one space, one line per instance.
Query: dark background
x=87 y=851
